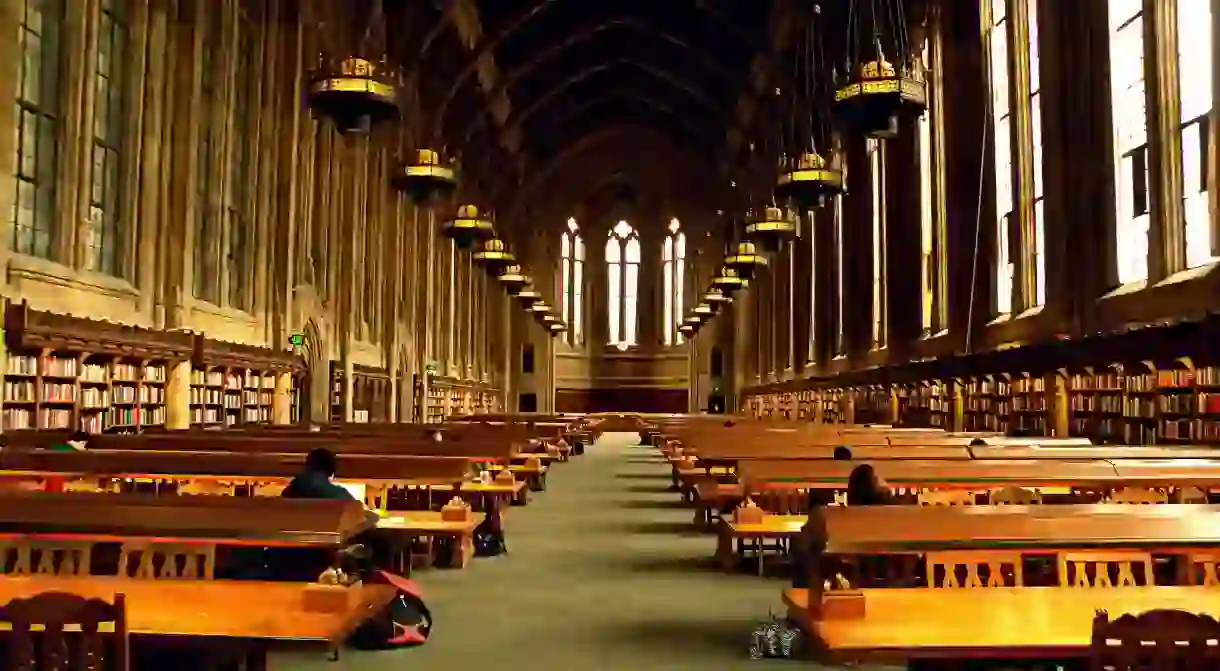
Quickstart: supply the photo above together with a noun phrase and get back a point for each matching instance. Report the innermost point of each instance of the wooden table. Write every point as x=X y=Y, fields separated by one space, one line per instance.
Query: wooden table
x=990 y=623
x=251 y=614
x=772 y=527
x=1040 y=529
x=408 y=525
x=535 y=476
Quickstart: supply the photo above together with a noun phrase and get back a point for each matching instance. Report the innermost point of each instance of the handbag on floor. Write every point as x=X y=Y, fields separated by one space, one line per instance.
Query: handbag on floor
x=405 y=621
x=773 y=638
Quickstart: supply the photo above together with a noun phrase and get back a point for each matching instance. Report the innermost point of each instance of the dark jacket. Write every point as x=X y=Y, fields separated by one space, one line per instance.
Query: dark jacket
x=314 y=485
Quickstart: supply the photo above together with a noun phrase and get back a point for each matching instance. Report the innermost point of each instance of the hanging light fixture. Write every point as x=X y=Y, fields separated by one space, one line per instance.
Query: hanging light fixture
x=538 y=308
x=876 y=93
x=556 y=328
x=714 y=296
x=745 y=259
x=426 y=176
x=693 y=321
x=469 y=225
x=705 y=310
x=807 y=177
x=493 y=256
x=512 y=279
x=687 y=330
x=729 y=281
x=353 y=84
x=771 y=227
x=528 y=297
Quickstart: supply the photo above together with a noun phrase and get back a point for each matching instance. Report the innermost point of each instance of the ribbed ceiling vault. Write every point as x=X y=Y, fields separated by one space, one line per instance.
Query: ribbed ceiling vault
x=539 y=74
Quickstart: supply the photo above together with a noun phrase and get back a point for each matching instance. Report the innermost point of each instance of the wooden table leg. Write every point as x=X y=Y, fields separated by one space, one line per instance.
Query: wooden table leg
x=725 y=555
x=256 y=657
x=522 y=497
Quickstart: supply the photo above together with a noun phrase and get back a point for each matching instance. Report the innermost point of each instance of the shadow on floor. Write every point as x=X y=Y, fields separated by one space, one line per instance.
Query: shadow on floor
x=665 y=527
x=728 y=639
x=659 y=504
x=643 y=563
x=636 y=475
x=649 y=489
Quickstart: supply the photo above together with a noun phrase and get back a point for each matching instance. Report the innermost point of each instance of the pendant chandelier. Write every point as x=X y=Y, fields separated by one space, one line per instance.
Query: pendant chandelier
x=714 y=296
x=809 y=174
x=493 y=256
x=425 y=176
x=528 y=297
x=513 y=280
x=353 y=83
x=744 y=257
x=688 y=331
x=771 y=226
x=470 y=223
x=875 y=93
x=728 y=281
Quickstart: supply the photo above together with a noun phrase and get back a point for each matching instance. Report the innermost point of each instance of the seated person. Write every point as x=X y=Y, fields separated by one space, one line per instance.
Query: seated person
x=866 y=488
x=316 y=481
x=811 y=543
x=75 y=443
x=842 y=453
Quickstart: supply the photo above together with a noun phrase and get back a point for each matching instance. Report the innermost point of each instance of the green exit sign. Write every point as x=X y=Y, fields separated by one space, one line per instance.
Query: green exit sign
x=296 y=339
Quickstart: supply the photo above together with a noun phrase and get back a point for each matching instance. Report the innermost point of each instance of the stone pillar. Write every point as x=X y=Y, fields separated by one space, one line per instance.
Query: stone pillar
x=281 y=399
x=178 y=396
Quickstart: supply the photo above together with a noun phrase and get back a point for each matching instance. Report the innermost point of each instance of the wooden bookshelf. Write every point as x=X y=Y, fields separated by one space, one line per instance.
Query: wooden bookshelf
x=234 y=385
x=1096 y=399
x=925 y=404
x=370 y=394
x=69 y=373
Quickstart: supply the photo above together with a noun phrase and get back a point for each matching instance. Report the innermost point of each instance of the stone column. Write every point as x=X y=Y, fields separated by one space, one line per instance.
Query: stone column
x=178 y=396
x=281 y=399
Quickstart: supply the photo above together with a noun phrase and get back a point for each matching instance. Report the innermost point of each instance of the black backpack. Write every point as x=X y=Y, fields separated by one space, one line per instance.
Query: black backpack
x=405 y=621
x=489 y=535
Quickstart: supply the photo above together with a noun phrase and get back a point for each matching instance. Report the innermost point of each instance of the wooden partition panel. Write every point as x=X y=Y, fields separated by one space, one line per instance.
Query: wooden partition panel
x=474 y=447
x=440 y=470
x=271 y=521
x=637 y=399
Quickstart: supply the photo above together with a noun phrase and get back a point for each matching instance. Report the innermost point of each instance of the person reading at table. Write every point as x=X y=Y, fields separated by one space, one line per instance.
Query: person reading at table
x=866 y=488
x=842 y=453
x=316 y=481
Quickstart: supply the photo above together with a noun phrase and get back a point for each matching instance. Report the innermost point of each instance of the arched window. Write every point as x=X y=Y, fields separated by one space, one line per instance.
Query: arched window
x=623 y=271
x=573 y=255
x=673 y=261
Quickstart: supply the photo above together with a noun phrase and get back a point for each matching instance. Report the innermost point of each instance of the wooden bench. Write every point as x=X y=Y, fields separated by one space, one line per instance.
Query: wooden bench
x=105 y=517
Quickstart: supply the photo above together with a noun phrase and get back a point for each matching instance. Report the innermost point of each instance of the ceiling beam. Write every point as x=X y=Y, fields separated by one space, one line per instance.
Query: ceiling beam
x=784 y=29
x=517 y=120
x=587 y=34
x=464 y=16
x=627 y=97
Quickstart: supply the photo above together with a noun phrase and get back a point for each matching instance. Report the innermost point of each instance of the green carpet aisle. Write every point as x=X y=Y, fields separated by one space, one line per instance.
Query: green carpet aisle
x=603 y=574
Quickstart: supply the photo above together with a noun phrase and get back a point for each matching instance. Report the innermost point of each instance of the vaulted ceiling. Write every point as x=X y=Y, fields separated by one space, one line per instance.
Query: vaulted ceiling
x=535 y=76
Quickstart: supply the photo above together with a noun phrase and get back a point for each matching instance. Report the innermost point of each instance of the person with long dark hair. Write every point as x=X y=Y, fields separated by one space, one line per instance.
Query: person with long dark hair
x=865 y=488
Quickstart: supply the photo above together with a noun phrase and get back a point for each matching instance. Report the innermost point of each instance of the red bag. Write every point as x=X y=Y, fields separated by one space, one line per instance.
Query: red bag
x=405 y=621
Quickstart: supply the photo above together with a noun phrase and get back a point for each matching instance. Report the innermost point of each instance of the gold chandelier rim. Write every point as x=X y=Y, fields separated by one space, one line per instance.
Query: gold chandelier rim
x=345 y=84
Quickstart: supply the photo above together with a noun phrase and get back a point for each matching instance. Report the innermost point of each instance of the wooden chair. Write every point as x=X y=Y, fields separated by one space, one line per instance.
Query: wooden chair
x=1200 y=569
x=167 y=561
x=1156 y=639
x=1189 y=495
x=1137 y=496
x=270 y=489
x=974 y=569
x=946 y=497
x=64 y=558
x=1014 y=496
x=56 y=649
x=205 y=488
x=1108 y=569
